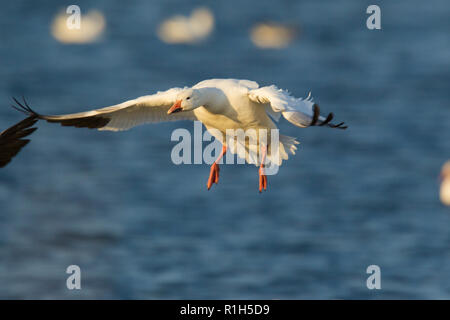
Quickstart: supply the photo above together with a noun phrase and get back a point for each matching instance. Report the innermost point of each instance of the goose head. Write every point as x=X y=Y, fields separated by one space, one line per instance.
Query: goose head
x=186 y=100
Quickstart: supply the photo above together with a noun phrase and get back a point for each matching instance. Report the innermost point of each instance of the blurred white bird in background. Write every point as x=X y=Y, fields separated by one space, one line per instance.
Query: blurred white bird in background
x=444 y=193
x=271 y=35
x=92 y=25
x=188 y=30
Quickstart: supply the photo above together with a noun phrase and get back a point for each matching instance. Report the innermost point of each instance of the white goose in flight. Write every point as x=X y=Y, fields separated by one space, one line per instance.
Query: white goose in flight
x=219 y=104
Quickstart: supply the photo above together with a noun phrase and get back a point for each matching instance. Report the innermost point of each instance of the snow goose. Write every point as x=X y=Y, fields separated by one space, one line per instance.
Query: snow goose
x=221 y=105
x=444 y=193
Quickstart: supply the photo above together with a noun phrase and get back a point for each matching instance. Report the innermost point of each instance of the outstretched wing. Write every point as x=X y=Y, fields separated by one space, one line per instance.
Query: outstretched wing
x=11 y=141
x=300 y=112
x=147 y=109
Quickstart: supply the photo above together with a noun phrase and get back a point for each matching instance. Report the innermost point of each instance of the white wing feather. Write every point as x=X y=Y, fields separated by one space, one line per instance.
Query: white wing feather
x=300 y=112
x=146 y=109
x=296 y=111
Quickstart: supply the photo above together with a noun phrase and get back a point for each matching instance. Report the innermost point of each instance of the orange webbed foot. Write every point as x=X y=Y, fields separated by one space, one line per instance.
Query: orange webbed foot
x=262 y=180
x=213 y=175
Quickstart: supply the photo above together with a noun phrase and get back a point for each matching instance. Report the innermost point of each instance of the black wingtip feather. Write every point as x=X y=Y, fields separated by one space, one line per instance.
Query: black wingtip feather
x=339 y=126
x=327 y=120
x=24 y=108
x=315 y=115
x=11 y=140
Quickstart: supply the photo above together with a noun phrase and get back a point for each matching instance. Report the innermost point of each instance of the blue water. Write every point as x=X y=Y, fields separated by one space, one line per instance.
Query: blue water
x=141 y=227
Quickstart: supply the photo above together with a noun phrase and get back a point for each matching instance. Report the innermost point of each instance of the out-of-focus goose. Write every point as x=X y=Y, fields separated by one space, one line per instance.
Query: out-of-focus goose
x=221 y=105
x=444 y=193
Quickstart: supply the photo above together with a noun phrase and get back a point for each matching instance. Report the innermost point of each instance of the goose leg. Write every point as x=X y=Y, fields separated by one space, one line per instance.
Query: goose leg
x=214 y=173
x=262 y=176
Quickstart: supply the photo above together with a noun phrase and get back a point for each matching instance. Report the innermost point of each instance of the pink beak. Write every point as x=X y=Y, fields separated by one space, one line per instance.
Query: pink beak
x=175 y=108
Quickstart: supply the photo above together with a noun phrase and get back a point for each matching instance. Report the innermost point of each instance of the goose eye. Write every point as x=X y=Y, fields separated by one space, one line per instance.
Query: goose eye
x=188 y=98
